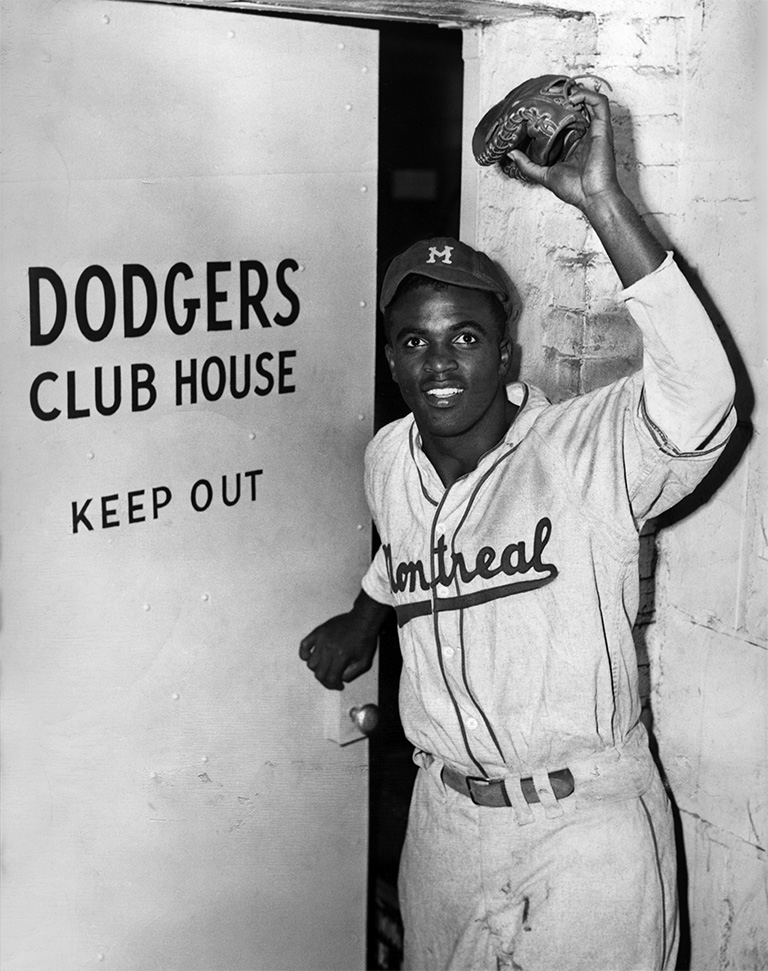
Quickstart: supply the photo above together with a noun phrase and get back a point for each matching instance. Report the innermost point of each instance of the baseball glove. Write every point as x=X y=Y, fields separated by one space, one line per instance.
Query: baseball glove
x=537 y=118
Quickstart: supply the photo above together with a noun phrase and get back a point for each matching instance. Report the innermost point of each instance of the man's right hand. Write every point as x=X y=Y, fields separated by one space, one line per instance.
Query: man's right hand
x=343 y=647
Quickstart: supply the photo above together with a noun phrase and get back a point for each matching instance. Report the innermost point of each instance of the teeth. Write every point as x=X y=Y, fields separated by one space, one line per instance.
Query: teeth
x=444 y=392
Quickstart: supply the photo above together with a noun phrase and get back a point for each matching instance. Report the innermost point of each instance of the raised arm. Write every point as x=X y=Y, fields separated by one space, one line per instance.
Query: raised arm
x=688 y=382
x=588 y=180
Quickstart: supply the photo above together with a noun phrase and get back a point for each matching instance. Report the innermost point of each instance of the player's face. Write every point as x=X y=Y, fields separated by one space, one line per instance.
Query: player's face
x=447 y=356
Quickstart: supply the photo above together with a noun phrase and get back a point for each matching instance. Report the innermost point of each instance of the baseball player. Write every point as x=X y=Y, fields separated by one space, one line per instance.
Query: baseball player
x=539 y=835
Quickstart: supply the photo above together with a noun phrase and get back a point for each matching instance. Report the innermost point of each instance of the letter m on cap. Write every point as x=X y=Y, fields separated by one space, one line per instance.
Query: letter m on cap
x=444 y=254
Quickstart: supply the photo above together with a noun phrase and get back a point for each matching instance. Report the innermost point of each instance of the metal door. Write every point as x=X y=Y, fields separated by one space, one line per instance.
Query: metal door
x=188 y=275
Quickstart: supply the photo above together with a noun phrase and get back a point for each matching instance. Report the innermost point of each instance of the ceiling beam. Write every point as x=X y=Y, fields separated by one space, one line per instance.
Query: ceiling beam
x=461 y=13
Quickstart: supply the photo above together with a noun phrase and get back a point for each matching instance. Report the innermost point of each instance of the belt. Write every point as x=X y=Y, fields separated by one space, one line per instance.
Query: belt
x=493 y=792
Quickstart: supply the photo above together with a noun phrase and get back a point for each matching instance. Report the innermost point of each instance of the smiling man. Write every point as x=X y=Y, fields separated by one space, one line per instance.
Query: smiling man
x=539 y=836
x=448 y=350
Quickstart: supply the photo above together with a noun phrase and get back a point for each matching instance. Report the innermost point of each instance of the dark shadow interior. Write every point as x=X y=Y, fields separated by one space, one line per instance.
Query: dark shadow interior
x=421 y=78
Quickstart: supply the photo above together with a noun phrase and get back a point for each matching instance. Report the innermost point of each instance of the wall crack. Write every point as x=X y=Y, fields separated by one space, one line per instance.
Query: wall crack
x=732 y=837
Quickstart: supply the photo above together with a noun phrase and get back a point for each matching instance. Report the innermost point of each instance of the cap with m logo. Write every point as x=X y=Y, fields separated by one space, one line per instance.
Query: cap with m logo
x=446 y=259
x=444 y=254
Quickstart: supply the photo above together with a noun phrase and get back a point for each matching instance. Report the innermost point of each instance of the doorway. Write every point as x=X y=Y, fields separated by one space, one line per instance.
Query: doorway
x=420 y=131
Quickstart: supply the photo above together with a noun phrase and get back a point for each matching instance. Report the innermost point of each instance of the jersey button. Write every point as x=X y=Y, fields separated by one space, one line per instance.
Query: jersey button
x=471 y=723
x=448 y=651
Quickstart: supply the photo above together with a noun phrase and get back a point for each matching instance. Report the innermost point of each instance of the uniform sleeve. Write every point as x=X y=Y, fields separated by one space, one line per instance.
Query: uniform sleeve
x=634 y=449
x=376 y=580
x=688 y=383
x=616 y=464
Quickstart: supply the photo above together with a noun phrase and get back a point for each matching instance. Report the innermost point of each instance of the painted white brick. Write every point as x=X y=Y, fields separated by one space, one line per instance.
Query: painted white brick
x=662 y=42
x=648 y=42
x=612 y=335
x=726 y=893
x=641 y=92
x=698 y=557
x=563 y=231
x=514 y=51
x=653 y=188
x=568 y=284
x=563 y=330
x=752 y=606
x=603 y=285
x=654 y=139
x=620 y=38
x=712 y=723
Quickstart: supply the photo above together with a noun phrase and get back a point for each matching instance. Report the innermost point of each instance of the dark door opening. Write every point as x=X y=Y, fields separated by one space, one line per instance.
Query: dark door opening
x=420 y=107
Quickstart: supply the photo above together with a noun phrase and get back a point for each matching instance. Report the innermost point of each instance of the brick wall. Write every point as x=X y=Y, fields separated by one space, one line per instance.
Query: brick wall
x=685 y=99
x=549 y=251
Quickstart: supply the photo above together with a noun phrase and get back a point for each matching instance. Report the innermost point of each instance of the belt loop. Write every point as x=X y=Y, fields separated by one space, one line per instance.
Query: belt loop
x=547 y=798
x=523 y=812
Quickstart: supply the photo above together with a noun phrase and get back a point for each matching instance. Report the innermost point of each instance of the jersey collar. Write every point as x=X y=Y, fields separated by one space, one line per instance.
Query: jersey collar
x=530 y=402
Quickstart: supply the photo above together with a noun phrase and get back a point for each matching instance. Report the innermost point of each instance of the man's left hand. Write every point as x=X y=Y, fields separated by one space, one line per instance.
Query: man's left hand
x=590 y=170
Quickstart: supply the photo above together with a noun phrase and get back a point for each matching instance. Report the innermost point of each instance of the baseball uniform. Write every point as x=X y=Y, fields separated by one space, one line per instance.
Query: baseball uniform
x=516 y=590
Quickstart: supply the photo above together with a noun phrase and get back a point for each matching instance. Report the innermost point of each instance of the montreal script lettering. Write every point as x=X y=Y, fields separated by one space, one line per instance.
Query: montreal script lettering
x=449 y=568
x=488 y=564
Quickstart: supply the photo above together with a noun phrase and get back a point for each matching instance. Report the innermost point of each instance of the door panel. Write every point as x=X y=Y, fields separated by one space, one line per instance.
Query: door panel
x=169 y=798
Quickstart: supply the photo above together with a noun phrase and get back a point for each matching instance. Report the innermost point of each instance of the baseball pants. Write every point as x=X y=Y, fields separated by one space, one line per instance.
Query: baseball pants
x=591 y=890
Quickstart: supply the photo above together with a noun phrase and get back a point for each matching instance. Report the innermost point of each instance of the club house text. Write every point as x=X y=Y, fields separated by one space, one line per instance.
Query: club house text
x=178 y=299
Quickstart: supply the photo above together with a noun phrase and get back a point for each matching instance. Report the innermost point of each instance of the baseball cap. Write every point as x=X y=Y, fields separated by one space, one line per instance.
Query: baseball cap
x=446 y=259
